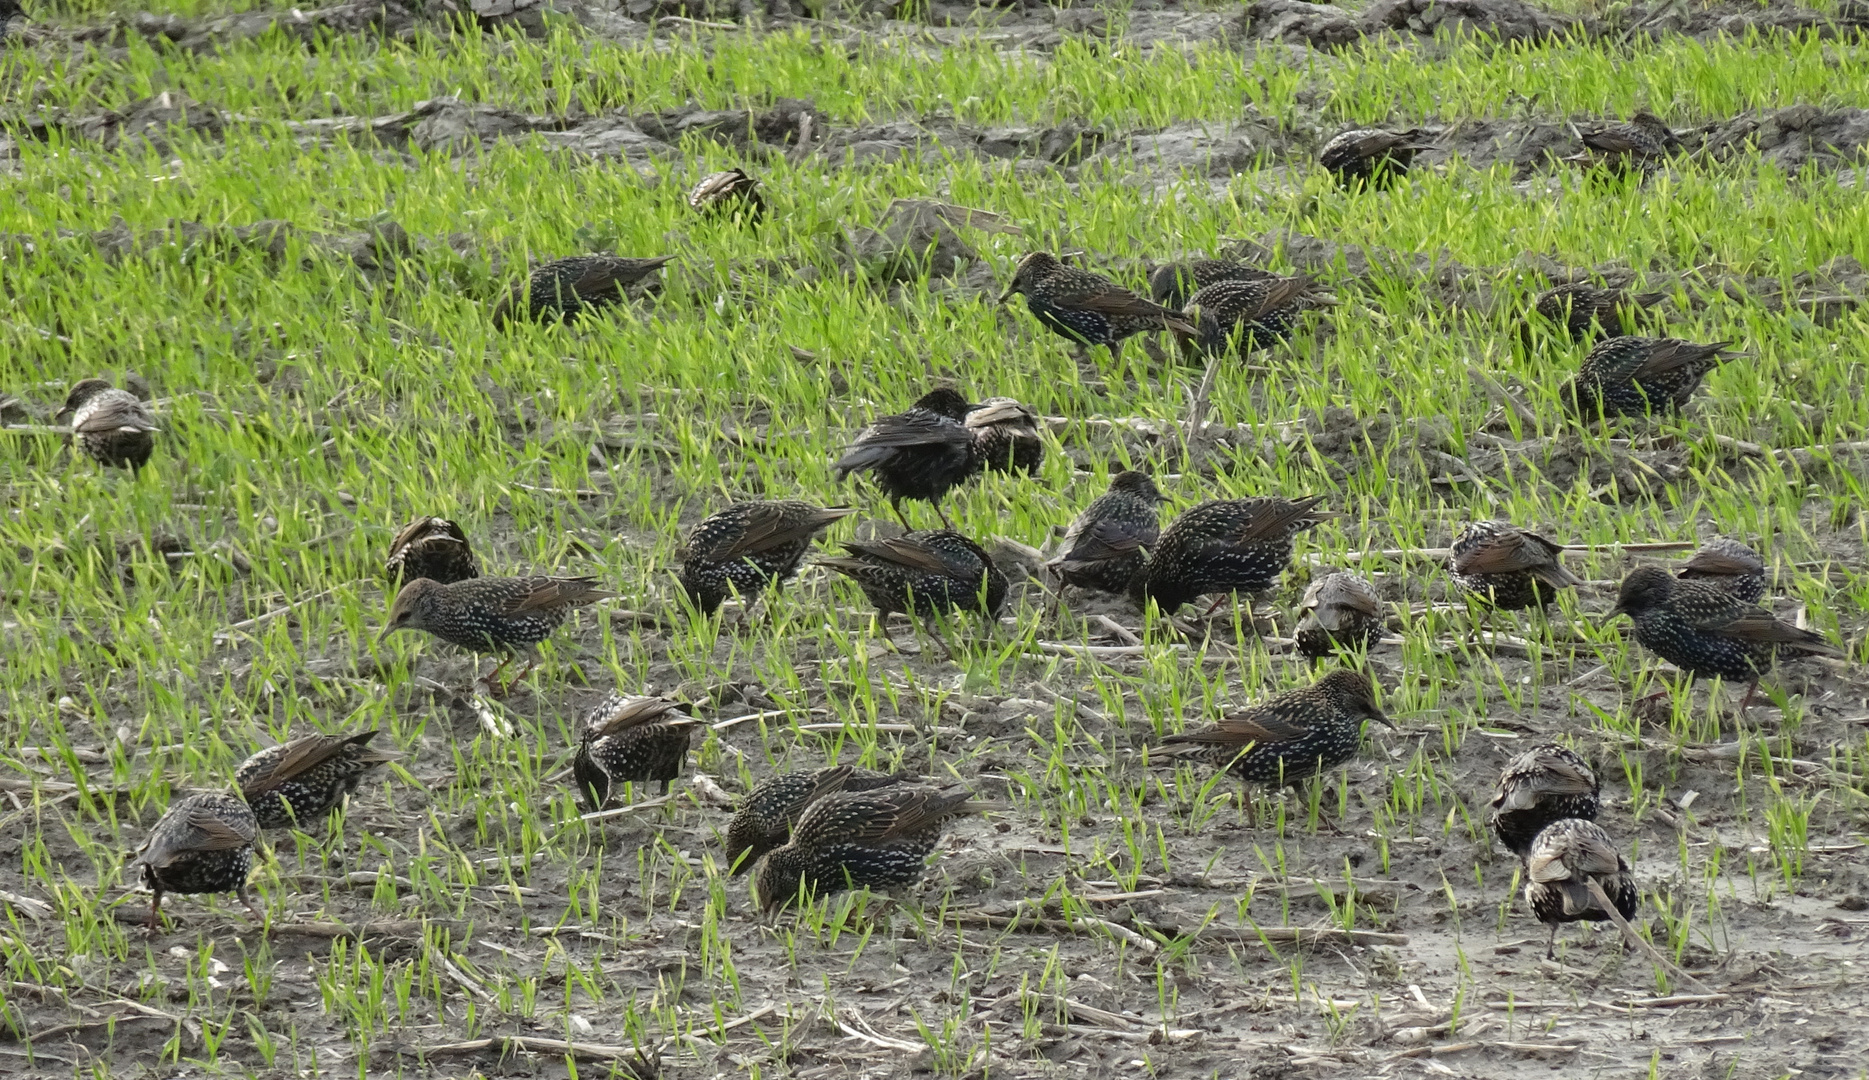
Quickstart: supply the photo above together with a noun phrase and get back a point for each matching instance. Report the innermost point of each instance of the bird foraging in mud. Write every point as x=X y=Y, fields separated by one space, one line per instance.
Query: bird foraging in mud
x=1582 y=310
x=730 y=193
x=1708 y=632
x=1729 y=564
x=1109 y=542
x=924 y=574
x=433 y=548
x=203 y=844
x=1637 y=376
x=1289 y=738
x=1639 y=145
x=1087 y=309
x=1223 y=546
x=306 y=778
x=921 y=453
x=1341 y=611
x=113 y=427
x=1237 y=315
x=1565 y=859
x=1507 y=567
x=569 y=288
x=749 y=547
x=765 y=818
x=1005 y=436
x=874 y=839
x=1372 y=156
x=1538 y=787
x=630 y=738
x=1172 y=284
x=492 y=616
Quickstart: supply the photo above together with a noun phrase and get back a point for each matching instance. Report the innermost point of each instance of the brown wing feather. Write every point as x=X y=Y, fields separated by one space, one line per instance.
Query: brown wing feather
x=1101 y=541
x=1239 y=729
x=118 y=413
x=768 y=527
x=1758 y=624
x=904 y=551
x=1274 y=517
x=544 y=593
x=311 y=750
x=1673 y=354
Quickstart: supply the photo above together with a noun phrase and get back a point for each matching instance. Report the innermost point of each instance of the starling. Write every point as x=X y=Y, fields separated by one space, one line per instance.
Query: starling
x=1706 y=631
x=1341 y=610
x=1110 y=540
x=749 y=547
x=922 y=453
x=1172 y=284
x=862 y=839
x=1087 y=308
x=1640 y=144
x=1248 y=315
x=433 y=548
x=1223 y=546
x=1290 y=738
x=1729 y=564
x=924 y=573
x=1371 y=156
x=1538 y=787
x=1634 y=376
x=1005 y=436
x=298 y=781
x=764 y=820
x=1582 y=310
x=1565 y=857
x=495 y=616
x=1508 y=567
x=729 y=194
x=204 y=844
x=630 y=738
x=112 y=426
x=567 y=288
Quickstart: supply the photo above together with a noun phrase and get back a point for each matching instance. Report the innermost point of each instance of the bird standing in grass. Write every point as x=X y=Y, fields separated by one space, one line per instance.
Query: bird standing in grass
x=302 y=780
x=924 y=574
x=1372 y=156
x=1538 y=787
x=630 y=738
x=492 y=616
x=1005 y=436
x=113 y=427
x=1223 y=546
x=1582 y=310
x=569 y=288
x=1639 y=145
x=203 y=844
x=765 y=817
x=1565 y=858
x=1507 y=567
x=433 y=548
x=1729 y=564
x=921 y=453
x=1086 y=308
x=1637 y=376
x=1109 y=542
x=875 y=839
x=1173 y=284
x=1341 y=611
x=1237 y=315
x=730 y=194
x=1289 y=738
x=748 y=547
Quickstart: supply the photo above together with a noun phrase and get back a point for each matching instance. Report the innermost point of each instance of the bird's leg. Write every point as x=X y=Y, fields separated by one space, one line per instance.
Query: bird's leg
x=246 y=898
x=1551 y=944
x=1745 y=705
x=1057 y=602
x=492 y=677
x=896 y=504
x=881 y=622
x=1218 y=600
x=943 y=515
x=928 y=624
x=155 y=912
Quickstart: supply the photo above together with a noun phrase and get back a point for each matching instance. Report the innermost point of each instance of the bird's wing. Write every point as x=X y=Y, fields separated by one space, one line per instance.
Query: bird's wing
x=1707 y=561
x=1106 y=539
x=1008 y=413
x=1507 y=553
x=1242 y=728
x=200 y=829
x=913 y=554
x=765 y=527
x=305 y=753
x=1672 y=353
x=1613 y=140
x=119 y=414
x=1275 y=517
x=917 y=427
x=1751 y=623
x=621 y=712
x=545 y=593
x=1330 y=598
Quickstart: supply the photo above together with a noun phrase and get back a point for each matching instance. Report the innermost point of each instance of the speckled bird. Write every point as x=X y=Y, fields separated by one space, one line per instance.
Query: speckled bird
x=1111 y=539
x=1289 y=738
x=433 y=548
x=569 y=288
x=749 y=547
x=874 y=839
x=765 y=817
x=299 y=781
x=630 y=738
x=730 y=193
x=921 y=453
x=1223 y=546
x=1708 y=632
x=1729 y=564
x=1564 y=858
x=1245 y=315
x=1636 y=376
x=1005 y=436
x=203 y=844
x=1173 y=284
x=1508 y=567
x=924 y=574
x=1639 y=145
x=1582 y=310
x=1538 y=787
x=111 y=426
x=1085 y=308
x=1341 y=611
x=1372 y=156
x=493 y=616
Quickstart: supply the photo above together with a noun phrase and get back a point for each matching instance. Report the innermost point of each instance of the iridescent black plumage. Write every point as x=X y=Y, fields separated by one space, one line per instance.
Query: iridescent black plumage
x=633 y=739
x=1341 y=610
x=433 y=548
x=921 y=453
x=494 y=616
x=1508 y=567
x=1289 y=738
x=1581 y=310
x=1246 y=315
x=568 y=288
x=1538 y=787
x=1173 y=284
x=1110 y=540
x=1729 y=564
x=1639 y=145
x=1005 y=436
x=925 y=574
x=204 y=844
x=748 y=547
x=1223 y=546
x=729 y=194
x=299 y=781
x=1371 y=156
x=1636 y=376
x=1564 y=858
x=111 y=426
x=765 y=818
x=861 y=839
x=1708 y=632
x=1087 y=308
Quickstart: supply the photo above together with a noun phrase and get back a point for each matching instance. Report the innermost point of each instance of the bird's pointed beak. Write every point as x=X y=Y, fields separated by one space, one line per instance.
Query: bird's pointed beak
x=1007 y=295
x=1378 y=716
x=1613 y=614
x=384 y=636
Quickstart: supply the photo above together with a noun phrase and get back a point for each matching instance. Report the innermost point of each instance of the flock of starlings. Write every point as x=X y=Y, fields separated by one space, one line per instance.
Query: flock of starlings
x=843 y=826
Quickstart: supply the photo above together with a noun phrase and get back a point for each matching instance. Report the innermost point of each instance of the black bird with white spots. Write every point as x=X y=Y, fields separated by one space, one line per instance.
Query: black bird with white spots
x=300 y=781
x=1538 y=787
x=1288 y=738
x=749 y=547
